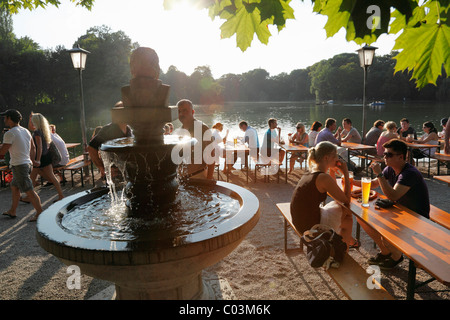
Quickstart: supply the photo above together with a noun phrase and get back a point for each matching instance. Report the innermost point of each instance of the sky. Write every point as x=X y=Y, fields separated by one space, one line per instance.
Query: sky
x=187 y=37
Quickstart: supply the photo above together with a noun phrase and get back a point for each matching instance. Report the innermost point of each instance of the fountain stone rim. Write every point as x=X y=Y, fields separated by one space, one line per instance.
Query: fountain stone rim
x=53 y=238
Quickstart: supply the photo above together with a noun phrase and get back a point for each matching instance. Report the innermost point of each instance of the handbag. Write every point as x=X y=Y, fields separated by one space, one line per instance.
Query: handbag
x=55 y=154
x=384 y=203
x=324 y=247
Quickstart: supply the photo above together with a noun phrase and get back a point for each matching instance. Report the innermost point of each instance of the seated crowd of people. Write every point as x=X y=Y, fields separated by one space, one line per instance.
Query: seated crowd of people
x=270 y=151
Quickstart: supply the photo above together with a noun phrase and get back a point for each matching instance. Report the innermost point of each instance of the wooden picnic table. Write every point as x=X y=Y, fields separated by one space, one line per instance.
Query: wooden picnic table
x=72 y=145
x=239 y=148
x=362 y=149
x=442 y=157
x=444 y=179
x=424 y=242
x=291 y=148
x=416 y=145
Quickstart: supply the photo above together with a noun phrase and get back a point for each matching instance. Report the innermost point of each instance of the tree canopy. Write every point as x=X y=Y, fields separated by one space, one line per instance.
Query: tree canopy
x=424 y=25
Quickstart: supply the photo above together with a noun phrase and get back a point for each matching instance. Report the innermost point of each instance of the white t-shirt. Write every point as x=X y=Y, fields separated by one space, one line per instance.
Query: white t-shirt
x=251 y=136
x=312 y=138
x=20 y=140
x=61 y=146
x=218 y=140
x=353 y=135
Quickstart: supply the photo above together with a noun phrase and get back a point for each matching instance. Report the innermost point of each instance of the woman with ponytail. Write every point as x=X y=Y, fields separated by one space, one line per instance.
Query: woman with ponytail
x=312 y=190
x=42 y=164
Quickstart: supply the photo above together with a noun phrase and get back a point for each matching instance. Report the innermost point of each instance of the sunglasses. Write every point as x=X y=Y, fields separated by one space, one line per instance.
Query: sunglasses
x=390 y=154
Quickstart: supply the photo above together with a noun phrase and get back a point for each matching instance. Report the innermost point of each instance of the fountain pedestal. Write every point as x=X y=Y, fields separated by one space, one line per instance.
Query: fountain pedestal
x=153 y=267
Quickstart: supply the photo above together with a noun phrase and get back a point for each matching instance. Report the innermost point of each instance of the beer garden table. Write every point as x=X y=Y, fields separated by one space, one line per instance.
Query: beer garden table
x=424 y=242
x=291 y=148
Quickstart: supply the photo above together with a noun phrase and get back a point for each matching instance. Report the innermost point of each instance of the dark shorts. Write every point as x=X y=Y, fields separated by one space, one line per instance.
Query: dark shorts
x=21 y=177
x=46 y=159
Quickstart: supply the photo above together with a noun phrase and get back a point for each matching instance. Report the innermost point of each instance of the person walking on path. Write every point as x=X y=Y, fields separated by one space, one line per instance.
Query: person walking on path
x=43 y=162
x=19 y=143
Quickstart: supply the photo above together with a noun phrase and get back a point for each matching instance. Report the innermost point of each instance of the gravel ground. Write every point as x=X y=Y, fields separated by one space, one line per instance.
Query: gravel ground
x=258 y=269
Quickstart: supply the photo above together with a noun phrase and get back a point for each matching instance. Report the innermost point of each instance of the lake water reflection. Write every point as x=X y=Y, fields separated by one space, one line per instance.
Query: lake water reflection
x=287 y=113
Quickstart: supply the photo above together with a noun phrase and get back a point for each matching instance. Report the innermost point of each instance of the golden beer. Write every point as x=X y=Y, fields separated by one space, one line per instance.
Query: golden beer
x=235 y=141
x=365 y=184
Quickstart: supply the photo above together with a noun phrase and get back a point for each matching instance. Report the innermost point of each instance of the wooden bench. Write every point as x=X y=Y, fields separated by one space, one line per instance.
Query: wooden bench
x=350 y=277
x=77 y=167
x=61 y=169
x=445 y=179
x=442 y=158
x=440 y=216
x=262 y=165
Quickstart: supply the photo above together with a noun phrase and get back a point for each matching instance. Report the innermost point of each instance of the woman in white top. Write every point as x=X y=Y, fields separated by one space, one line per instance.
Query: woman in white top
x=315 y=129
x=216 y=133
x=300 y=137
x=429 y=137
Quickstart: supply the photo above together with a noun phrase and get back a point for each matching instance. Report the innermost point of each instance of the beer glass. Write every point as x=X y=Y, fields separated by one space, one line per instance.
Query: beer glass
x=365 y=184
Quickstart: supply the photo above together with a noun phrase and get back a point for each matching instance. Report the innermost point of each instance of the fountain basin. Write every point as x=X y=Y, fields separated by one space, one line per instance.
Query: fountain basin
x=168 y=267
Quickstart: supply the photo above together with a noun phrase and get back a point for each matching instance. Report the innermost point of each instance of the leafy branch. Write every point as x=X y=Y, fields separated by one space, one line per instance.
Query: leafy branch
x=13 y=6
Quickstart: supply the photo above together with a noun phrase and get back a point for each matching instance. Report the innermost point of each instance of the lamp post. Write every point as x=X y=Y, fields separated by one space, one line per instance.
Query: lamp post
x=366 y=55
x=78 y=56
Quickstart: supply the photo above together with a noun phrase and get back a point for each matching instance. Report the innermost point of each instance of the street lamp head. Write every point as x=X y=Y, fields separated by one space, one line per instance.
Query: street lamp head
x=78 y=56
x=366 y=55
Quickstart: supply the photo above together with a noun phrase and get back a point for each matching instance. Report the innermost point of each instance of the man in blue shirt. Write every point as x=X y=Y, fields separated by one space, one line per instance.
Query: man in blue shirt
x=400 y=182
x=327 y=134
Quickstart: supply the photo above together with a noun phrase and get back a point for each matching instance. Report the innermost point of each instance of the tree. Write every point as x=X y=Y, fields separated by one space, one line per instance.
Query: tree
x=425 y=22
x=107 y=67
x=14 y=6
x=178 y=82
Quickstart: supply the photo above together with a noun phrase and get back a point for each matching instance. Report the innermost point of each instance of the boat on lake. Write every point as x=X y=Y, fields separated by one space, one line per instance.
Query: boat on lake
x=377 y=103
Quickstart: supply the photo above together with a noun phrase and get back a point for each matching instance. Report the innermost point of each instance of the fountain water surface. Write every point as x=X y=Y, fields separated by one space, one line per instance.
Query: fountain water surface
x=155 y=243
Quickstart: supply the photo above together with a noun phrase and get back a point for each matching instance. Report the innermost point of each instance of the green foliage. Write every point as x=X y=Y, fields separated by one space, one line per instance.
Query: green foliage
x=13 y=6
x=363 y=21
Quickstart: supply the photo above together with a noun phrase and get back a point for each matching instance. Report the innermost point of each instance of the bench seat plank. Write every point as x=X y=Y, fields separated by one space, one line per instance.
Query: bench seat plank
x=440 y=216
x=350 y=276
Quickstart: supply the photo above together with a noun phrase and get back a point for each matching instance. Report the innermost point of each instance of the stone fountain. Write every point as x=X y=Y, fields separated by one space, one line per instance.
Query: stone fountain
x=160 y=241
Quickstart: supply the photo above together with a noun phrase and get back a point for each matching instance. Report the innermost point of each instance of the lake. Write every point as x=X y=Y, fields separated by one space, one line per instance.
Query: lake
x=287 y=113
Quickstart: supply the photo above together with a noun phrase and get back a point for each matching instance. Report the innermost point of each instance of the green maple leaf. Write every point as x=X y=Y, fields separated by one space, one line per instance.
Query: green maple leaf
x=245 y=22
x=280 y=11
x=354 y=16
x=425 y=50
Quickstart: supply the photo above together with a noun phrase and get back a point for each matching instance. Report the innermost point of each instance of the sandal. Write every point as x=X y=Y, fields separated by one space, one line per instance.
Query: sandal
x=33 y=219
x=6 y=213
x=355 y=245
